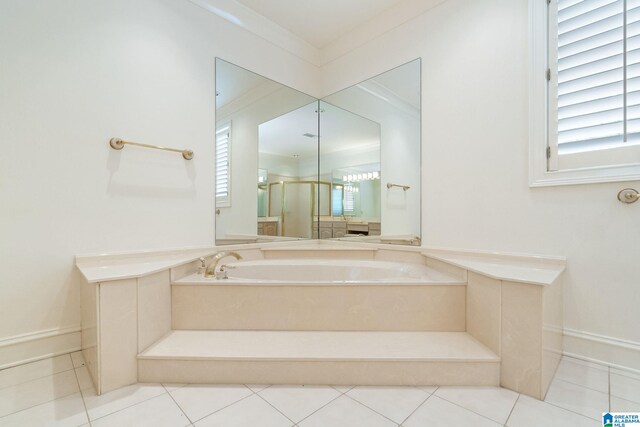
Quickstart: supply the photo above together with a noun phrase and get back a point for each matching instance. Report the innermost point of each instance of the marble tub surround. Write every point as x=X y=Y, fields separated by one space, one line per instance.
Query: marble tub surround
x=363 y=307
x=521 y=322
x=534 y=269
x=320 y=357
x=132 y=304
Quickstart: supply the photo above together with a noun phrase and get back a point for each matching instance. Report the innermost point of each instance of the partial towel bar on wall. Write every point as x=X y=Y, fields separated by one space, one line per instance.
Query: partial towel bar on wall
x=404 y=187
x=118 y=144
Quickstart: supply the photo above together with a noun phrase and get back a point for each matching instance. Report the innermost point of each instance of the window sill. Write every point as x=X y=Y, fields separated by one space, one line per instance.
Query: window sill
x=620 y=173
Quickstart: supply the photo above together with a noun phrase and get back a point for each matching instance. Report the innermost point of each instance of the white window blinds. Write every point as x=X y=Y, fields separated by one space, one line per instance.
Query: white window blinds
x=223 y=161
x=349 y=202
x=598 y=72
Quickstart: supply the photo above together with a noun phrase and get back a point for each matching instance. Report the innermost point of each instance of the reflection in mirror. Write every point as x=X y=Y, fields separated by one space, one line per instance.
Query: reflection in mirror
x=370 y=138
x=259 y=140
x=350 y=161
x=288 y=149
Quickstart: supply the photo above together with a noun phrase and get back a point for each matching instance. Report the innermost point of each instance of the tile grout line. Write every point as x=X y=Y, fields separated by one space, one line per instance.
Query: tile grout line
x=422 y=403
x=177 y=404
x=323 y=406
x=473 y=412
x=511 y=412
x=579 y=385
x=130 y=406
x=342 y=392
x=269 y=403
x=225 y=407
x=569 y=410
x=86 y=411
x=405 y=419
x=379 y=413
x=419 y=406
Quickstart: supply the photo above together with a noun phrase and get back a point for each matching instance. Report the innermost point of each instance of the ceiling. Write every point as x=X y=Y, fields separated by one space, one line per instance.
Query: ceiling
x=341 y=131
x=319 y=22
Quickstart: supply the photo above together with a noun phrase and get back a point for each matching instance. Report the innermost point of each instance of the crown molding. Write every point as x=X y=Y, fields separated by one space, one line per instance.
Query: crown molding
x=386 y=21
x=385 y=94
x=248 y=19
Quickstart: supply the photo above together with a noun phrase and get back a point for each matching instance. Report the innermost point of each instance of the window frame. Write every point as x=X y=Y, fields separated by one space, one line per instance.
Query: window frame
x=542 y=134
x=223 y=201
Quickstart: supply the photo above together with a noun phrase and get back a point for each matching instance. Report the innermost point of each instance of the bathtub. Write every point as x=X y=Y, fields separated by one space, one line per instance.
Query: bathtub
x=316 y=271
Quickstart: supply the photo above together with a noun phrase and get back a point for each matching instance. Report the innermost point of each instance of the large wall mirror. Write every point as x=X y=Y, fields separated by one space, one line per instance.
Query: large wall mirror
x=289 y=166
x=266 y=158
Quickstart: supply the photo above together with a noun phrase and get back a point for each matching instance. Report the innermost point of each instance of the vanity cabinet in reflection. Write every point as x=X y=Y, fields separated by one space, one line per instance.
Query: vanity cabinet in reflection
x=267 y=228
x=329 y=229
x=339 y=229
x=374 y=229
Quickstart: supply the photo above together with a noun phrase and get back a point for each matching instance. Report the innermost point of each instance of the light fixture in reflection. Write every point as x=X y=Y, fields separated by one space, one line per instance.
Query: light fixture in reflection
x=365 y=176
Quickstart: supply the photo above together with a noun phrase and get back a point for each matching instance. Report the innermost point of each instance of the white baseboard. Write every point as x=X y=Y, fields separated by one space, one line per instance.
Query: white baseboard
x=614 y=352
x=39 y=345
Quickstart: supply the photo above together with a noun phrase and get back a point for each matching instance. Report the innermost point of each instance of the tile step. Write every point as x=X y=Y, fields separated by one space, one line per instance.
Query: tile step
x=319 y=357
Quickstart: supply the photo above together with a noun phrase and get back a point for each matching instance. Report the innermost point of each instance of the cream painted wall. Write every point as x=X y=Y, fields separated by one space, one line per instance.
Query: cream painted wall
x=475 y=160
x=74 y=74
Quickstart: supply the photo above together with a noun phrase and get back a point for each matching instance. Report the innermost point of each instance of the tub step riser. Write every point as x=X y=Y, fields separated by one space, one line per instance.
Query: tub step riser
x=397 y=373
x=319 y=308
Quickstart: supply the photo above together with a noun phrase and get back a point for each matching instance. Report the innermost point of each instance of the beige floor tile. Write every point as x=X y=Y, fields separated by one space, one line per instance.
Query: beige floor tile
x=108 y=403
x=625 y=385
x=84 y=379
x=581 y=400
x=436 y=412
x=67 y=411
x=198 y=401
x=492 y=402
x=298 y=402
x=160 y=411
x=34 y=370
x=396 y=403
x=346 y=412
x=530 y=412
x=36 y=392
x=77 y=359
x=619 y=404
x=583 y=373
x=249 y=412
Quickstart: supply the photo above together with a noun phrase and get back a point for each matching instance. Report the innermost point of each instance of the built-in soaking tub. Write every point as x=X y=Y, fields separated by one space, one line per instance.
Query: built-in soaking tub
x=320 y=295
x=323 y=271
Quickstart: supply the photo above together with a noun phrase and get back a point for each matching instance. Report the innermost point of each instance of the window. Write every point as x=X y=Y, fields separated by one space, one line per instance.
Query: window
x=223 y=169
x=349 y=201
x=584 y=91
x=336 y=201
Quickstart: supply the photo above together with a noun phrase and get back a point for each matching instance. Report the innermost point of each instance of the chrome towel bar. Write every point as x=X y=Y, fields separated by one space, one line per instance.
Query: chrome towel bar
x=404 y=187
x=118 y=144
